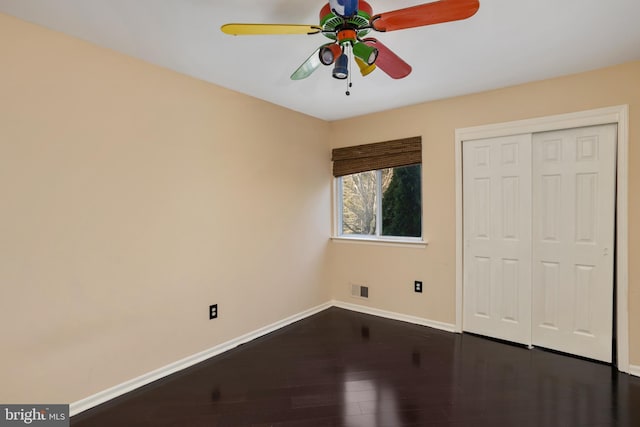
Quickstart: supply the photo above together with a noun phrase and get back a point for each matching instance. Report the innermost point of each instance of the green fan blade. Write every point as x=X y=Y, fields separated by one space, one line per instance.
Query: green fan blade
x=309 y=66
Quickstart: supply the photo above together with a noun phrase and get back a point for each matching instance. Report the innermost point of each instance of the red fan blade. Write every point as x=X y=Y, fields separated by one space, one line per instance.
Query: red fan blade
x=388 y=61
x=425 y=14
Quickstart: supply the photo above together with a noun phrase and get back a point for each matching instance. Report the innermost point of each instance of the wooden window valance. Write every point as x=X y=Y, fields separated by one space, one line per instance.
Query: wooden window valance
x=379 y=155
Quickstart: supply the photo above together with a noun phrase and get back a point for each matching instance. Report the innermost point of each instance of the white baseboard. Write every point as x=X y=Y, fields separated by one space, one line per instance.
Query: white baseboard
x=127 y=386
x=634 y=370
x=395 y=316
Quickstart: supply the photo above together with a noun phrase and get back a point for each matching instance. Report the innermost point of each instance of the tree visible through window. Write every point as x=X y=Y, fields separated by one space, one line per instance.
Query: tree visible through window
x=384 y=202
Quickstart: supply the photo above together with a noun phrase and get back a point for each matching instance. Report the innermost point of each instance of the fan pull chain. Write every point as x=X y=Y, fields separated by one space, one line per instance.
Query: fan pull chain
x=349 y=84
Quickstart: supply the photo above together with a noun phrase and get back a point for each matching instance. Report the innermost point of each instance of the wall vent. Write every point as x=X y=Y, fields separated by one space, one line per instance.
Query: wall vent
x=359 y=291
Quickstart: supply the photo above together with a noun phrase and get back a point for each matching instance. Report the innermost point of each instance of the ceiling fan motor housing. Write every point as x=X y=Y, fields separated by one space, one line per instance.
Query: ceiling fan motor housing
x=345 y=8
x=331 y=23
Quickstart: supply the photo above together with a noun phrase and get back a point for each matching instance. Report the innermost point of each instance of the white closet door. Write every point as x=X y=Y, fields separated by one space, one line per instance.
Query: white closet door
x=573 y=240
x=497 y=230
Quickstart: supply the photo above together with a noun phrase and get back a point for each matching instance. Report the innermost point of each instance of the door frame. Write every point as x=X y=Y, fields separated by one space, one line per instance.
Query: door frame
x=615 y=114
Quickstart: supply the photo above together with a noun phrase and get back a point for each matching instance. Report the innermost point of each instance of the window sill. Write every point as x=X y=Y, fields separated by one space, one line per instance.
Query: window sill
x=384 y=241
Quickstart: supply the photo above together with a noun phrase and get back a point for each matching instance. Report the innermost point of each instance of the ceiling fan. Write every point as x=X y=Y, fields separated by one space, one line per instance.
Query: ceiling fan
x=348 y=22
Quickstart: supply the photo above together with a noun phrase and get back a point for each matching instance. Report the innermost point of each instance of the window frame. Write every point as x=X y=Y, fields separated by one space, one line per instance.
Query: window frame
x=339 y=235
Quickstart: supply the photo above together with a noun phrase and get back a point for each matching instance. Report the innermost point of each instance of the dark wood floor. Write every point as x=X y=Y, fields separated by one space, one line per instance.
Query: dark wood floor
x=341 y=368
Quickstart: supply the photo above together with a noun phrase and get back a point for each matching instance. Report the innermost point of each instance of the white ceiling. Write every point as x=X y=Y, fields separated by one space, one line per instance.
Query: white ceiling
x=507 y=42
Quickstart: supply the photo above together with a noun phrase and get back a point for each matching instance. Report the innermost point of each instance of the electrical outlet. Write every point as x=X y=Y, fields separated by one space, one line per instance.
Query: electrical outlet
x=417 y=286
x=213 y=311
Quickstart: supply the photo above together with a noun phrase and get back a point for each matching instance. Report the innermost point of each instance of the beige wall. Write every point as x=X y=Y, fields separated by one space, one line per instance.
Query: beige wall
x=390 y=271
x=131 y=198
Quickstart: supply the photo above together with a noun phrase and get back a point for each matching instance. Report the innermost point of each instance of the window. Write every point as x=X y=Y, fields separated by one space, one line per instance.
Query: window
x=379 y=189
x=385 y=202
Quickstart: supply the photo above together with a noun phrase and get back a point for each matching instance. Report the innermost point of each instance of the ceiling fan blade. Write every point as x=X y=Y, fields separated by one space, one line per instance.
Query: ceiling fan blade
x=388 y=61
x=309 y=66
x=345 y=8
x=261 y=29
x=425 y=14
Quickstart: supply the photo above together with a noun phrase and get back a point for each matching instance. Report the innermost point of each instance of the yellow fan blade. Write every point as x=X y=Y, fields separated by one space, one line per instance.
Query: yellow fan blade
x=257 y=29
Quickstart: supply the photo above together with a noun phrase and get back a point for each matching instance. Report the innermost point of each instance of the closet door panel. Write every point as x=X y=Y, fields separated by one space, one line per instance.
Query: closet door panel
x=573 y=240
x=497 y=229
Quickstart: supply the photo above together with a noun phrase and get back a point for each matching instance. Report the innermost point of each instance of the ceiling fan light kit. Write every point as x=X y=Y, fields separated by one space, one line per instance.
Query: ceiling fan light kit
x=329 y=53
x=367 y=53
x=348 y=22
x=341 y=69
x=365 y=69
